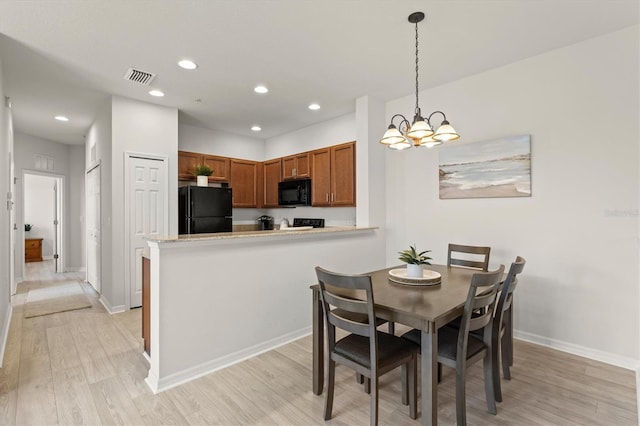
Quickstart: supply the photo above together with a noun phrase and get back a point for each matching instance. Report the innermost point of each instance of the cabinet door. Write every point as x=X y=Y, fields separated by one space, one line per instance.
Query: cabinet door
x=271 y=175
x=186 y=163
x=321 y=177
x=244 y=183
x=302 y=165
x=220 y=166
x=288 y=167
x=343 y=177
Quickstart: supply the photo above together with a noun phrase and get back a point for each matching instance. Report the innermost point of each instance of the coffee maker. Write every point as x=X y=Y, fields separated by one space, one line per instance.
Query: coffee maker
x=265 y=223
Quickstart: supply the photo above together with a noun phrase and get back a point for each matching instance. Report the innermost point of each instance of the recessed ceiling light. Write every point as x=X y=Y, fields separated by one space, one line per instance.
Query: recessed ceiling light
x=187 y=64
x=256 y=128
x=156 y=93
x=314 y=107
x=61 y=118
x=260 y=89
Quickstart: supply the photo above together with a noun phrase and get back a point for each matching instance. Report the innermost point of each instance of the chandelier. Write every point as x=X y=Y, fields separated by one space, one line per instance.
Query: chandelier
x=420 y=133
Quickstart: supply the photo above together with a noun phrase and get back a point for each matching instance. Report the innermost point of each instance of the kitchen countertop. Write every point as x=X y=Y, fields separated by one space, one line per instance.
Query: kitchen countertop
x=255 y=234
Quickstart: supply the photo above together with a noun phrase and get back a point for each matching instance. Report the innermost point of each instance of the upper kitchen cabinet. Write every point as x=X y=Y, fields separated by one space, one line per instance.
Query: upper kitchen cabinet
x=271 y=173
x=333 y=176
x=220 y=166
x=188 y=160
x=296 y=166
x=244 y=181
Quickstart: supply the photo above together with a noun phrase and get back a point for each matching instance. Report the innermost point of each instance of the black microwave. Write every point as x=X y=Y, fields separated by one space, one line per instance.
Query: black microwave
x=294 y=192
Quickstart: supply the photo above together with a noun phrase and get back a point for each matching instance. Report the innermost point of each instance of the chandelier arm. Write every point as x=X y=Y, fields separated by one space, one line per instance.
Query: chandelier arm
x=444 y=117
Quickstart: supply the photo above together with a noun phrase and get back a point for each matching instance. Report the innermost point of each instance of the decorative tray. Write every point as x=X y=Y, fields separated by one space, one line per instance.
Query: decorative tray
x=428 y=277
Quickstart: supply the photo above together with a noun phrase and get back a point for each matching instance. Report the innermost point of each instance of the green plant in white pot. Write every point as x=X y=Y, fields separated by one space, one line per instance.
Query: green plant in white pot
x=202 y=173
x=414 y=261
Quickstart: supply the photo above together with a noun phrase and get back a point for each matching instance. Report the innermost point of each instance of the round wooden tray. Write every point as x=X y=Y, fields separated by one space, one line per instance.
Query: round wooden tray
x=428 y=277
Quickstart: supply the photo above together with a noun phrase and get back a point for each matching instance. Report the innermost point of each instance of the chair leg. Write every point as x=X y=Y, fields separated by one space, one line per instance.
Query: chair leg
x=495 y=369
x=392 y=327
x=504 y=351
x=461 y=403
x=331 y=372
x=439 y=372
x=413 y=387
x=374 y=400
x=488 y=384
x=405 y=384
x=359 y=378
x=367 y=385
x=509 y=335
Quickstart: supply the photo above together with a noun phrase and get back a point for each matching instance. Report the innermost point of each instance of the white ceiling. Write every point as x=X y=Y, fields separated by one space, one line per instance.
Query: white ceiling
x=68 y=57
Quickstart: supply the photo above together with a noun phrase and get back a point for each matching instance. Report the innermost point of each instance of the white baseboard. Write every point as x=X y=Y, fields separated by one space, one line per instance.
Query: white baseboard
x=158 y=385
x=5 y=334
x=111 y=309
x=583 y=351
x=76 y=269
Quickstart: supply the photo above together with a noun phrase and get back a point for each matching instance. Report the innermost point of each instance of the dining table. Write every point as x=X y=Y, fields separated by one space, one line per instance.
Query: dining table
x=417 y=305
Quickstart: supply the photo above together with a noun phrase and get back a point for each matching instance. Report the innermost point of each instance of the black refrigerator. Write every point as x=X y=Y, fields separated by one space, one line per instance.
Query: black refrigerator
x=204 y=209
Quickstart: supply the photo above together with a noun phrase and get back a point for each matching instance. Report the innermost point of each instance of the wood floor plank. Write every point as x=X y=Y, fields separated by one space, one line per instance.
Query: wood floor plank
x=36 y=404
x=74 y=402
x=62 y=349
x=114 y=404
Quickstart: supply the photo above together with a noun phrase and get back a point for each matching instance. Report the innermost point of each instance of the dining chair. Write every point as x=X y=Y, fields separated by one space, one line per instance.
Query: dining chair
x=502 y=332
x=475 y=251
x=366 y=350
x=459 y=348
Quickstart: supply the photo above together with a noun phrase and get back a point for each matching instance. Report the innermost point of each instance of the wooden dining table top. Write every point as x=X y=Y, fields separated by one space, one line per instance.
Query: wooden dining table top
x=420 y=306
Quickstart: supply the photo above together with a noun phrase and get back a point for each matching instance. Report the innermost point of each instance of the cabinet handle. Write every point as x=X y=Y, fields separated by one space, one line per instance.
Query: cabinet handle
x=327 y=197
x=294 y=172
x=333 y=197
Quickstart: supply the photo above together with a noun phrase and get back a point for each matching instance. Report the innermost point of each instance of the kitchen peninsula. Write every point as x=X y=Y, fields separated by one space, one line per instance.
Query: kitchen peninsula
x=217 y=299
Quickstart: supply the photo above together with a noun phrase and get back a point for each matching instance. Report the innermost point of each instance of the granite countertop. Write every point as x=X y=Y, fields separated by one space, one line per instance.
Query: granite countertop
x=255 y=234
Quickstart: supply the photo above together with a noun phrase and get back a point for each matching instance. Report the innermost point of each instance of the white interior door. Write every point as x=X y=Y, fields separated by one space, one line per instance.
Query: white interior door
x=93 y=227
x=147 y=212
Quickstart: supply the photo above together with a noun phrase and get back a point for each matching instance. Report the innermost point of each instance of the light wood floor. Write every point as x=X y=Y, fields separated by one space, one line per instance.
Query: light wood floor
x=86 y=367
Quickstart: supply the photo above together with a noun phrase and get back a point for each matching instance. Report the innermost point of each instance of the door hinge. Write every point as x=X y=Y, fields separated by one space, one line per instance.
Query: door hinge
x=55 y=256
x=55 y=222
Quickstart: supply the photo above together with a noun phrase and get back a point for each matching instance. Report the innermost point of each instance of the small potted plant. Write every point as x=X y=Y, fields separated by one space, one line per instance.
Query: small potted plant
x=27 y=229
x=202 y=173
x=414 y=261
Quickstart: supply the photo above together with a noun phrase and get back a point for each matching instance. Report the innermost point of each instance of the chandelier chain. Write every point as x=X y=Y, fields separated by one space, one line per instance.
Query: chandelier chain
x=417 y=107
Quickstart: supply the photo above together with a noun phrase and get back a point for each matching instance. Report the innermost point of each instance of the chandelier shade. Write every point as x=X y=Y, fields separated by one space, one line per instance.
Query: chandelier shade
x=421 y=132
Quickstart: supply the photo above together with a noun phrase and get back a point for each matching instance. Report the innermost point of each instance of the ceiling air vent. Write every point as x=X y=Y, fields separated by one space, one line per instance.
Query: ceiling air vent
x=140 y=77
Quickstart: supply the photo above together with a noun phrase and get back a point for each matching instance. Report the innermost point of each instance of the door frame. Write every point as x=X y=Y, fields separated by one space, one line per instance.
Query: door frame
x=96 y=286
x=61 y=196
x=128 y=156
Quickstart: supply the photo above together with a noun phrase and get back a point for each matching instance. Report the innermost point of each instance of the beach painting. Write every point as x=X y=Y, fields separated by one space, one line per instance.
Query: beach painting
x=494 y=168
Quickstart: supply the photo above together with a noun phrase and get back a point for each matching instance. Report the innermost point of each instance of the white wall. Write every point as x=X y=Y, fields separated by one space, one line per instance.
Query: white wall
x=579 y=230
x=214 y=142
x=147 y=129
x=76 y=255
x=39 y=210
x=26 y=147
x=6 y=148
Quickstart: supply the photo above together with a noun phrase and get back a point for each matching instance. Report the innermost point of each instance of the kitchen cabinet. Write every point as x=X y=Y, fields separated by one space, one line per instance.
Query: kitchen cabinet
x=271 y=172
x=187 y=161
x=243 y=180
x=333 y=176
x=296 y=166
x=33 y=250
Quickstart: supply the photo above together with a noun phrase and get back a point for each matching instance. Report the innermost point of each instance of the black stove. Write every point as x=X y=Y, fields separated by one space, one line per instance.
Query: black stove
x=316 y=223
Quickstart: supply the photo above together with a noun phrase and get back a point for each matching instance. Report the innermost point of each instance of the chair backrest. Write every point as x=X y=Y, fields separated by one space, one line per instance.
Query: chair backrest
x=479 y=307
x=333 y=290
x=506 y=295
x=482 y=265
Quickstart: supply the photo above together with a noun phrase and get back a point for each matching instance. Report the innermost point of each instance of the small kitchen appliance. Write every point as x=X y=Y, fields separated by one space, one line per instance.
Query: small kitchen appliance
x=265 y=223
